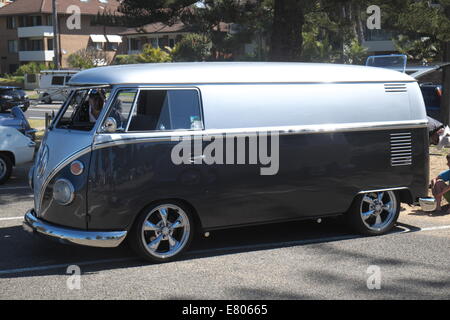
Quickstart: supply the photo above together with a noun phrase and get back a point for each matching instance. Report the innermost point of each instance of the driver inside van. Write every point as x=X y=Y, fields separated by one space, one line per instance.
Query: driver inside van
x=96 y=102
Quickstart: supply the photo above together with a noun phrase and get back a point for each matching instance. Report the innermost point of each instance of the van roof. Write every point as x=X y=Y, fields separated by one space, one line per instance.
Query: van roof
x=234 y=72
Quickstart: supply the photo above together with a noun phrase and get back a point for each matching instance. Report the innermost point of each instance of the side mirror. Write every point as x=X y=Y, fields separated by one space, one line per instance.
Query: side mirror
x=110 y=125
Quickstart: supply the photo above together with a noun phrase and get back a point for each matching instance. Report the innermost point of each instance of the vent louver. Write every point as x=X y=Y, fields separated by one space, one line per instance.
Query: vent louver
x=401 y=149
x=395 y=87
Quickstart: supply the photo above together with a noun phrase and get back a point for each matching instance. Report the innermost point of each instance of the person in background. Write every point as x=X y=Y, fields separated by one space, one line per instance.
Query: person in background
x=435 y=130
x=440 y=188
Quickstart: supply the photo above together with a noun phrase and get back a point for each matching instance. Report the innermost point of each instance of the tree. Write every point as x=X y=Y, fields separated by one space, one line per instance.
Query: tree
x=87 y=58
x=153 y=55
x=33 y=68
x=192 y=47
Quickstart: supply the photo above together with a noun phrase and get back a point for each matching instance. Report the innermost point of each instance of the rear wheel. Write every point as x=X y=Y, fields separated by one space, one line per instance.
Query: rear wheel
x=374 y=213
x=162 y=232
x=5 y=168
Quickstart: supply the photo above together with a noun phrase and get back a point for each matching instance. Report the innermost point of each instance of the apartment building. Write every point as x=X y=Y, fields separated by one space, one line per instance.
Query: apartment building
x=26 y=31
x=158 y=35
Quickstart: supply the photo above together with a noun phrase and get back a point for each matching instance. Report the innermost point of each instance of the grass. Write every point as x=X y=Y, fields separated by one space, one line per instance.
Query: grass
x=12 y=81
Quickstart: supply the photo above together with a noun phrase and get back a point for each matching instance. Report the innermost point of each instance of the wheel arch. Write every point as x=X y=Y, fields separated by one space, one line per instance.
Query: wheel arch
x=198 y=227
x=10 y=155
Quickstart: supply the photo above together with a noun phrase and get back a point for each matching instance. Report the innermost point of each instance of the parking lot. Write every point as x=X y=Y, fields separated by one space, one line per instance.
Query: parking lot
x=301 y=260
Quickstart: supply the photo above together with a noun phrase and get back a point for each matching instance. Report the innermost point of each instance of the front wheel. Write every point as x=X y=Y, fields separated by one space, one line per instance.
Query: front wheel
x=162 y=232
x=374 y=213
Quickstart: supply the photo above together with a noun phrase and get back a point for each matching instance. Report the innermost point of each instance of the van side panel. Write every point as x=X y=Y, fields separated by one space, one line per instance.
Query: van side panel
x=319 y=175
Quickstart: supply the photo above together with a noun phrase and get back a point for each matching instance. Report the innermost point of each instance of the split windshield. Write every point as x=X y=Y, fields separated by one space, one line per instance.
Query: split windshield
x=83 y=109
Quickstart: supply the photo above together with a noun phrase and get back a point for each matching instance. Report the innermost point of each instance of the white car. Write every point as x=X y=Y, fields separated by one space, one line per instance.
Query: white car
x=15 y=149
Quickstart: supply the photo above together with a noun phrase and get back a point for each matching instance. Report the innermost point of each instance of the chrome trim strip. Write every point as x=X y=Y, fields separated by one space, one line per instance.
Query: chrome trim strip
x=387 y=189
x=103 y=239
x=114 y=139
x=61 y=165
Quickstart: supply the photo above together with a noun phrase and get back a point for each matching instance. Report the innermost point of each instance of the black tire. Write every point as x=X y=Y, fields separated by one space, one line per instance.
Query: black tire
x=140 y=240
x=5 y=168
x=385 y=206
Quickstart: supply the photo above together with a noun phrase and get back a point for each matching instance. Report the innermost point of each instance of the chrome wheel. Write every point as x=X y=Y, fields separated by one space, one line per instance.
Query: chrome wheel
x=165 y=231
x=378 y=210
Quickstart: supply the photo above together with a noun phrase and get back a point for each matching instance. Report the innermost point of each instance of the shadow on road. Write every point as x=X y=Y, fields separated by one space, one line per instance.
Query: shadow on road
x=20 y=250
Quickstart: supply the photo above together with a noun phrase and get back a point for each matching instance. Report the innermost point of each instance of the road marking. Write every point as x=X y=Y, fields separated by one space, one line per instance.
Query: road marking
x=431 y=228
x=63 y=265
x=11 y=218
x=38 y=118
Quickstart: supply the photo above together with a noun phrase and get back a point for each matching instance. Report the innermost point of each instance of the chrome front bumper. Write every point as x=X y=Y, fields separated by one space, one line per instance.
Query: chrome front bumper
x=103 y=239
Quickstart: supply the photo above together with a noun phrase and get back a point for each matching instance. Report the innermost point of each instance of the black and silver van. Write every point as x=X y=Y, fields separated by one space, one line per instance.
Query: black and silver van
x=186 y=147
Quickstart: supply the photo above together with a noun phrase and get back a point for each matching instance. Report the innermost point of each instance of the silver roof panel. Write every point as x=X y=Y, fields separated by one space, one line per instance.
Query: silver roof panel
x=234 y=72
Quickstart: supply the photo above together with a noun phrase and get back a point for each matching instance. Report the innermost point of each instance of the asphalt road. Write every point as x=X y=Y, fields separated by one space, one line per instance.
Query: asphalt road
x=302 y=260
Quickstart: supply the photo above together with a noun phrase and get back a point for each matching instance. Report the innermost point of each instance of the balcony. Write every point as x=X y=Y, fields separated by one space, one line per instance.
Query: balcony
x=41 y=56
x=37 y=31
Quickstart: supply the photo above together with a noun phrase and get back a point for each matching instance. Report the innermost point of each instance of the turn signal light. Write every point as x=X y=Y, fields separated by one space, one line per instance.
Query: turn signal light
x=76 y=168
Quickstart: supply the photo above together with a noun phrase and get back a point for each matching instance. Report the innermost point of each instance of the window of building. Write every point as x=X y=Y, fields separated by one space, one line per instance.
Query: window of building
x=13 y=68
x=161 y=110
x=50 y=44
x=11 y=23
x=98 y=46
x=112 y=46
x=30 y=21
x=12 y=46
x=135 y=44
x=154 y=42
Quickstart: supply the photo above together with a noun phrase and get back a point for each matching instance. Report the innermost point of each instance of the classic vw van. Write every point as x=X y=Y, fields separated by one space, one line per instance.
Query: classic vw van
x=185 y=147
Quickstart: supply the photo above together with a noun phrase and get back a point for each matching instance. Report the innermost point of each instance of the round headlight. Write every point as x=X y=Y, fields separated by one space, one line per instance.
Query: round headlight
x=63 y=192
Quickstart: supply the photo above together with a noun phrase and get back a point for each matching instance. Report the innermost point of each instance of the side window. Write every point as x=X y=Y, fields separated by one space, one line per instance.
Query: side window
x=160 y=110
x=121 y=107
x=57 y=81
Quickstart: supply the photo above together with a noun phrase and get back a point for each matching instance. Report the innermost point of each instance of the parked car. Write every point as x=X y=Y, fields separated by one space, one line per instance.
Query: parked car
x=16 y=119
x=15 y=149
x=53 y=85
x=428 y=77
x=11 y=97
x=352 y=135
